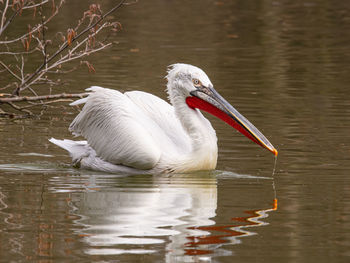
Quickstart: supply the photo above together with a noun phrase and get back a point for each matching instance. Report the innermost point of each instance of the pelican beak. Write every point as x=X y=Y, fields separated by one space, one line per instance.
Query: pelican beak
x=209 y=100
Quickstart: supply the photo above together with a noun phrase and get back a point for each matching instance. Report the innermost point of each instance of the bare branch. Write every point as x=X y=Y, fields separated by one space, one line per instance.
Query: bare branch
x=42 y=103
x=75 y=43
x=44 y=97
x=66 y=44
x=19 y=53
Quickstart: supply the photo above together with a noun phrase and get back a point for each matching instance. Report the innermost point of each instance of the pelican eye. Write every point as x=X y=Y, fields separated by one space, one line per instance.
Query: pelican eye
x=196 y=82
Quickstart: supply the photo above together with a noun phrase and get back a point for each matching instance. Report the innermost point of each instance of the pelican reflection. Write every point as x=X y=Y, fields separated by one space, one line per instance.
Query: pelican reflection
x=143 y=215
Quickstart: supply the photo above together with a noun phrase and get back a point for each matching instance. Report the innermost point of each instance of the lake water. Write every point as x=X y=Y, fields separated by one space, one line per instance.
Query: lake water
x=283 y=64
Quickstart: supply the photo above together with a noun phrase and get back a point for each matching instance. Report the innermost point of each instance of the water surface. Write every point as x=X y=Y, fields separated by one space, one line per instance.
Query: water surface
x=283 y=64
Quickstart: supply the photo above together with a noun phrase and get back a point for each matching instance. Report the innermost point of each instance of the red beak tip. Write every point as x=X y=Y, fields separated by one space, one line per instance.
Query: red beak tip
x=275 y=152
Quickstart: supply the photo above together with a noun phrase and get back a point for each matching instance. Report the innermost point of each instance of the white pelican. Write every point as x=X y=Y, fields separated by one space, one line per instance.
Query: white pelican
x=137 y=132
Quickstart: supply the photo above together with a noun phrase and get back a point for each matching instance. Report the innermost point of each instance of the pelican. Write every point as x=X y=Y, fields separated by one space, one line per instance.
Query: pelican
x=138 y=133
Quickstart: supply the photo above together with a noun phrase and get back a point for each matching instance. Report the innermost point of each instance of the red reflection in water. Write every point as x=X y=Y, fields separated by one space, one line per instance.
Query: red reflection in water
x=236 y=230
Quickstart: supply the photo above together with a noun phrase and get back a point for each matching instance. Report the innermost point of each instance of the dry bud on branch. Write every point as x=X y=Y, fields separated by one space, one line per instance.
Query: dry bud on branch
x=70 y=36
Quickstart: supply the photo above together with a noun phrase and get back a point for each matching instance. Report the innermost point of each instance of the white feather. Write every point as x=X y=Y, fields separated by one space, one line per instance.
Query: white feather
x=113 y=126
x=77 y=149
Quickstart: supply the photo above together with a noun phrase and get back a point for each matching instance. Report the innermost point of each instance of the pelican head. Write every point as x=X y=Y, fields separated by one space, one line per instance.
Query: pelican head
x=190 y=83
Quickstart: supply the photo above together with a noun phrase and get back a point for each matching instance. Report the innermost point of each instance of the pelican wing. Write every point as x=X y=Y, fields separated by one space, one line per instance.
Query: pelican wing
x=118 y=129
x=169 y=133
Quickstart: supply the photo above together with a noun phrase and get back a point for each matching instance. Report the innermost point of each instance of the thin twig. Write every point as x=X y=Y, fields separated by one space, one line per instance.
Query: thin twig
x=35 y=29
x=65 y=60
x=35 y=5
x=19 y=108
x=3 y=27
x=43 y=35
x=68 y=57
x=7 y=86
x=3 y=18
x=10 y=71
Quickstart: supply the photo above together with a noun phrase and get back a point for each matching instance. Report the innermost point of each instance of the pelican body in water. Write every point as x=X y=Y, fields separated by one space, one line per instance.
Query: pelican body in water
x=137 y=132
